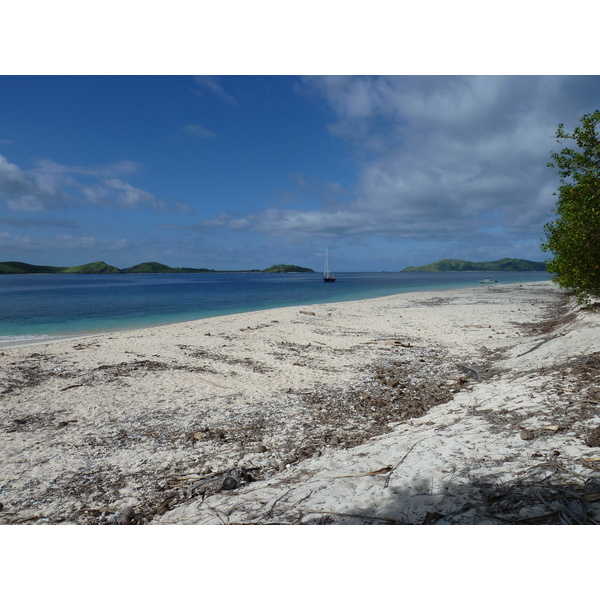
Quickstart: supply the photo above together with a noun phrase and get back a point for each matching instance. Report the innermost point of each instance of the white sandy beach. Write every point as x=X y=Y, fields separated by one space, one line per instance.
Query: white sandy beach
x=478 y=405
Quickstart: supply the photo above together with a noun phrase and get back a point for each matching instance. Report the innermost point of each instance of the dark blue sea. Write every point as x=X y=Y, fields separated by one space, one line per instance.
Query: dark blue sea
x=39 y=307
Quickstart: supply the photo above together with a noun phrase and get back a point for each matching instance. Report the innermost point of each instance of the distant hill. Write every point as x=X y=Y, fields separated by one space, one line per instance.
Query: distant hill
x=504 y=264
x=20 y=268
x=91 y=269
x=154 y=267
x=287 y=269
x=24 y=268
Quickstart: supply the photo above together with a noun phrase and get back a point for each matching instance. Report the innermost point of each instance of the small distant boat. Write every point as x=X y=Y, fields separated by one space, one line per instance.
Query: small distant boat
x=488 y=280
x=328 y=276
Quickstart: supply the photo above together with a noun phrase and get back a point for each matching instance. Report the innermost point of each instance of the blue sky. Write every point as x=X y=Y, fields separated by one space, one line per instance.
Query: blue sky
x=241 y=172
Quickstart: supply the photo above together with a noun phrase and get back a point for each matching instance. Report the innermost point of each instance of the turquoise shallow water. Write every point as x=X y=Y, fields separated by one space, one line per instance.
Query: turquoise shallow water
x=37 y=307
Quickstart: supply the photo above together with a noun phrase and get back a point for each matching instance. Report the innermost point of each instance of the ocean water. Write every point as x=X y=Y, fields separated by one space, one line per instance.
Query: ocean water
x=38 y=307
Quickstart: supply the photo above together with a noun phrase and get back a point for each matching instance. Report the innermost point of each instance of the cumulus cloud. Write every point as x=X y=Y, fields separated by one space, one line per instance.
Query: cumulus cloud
x=49 y=186
x=30 y=191
x=438 y=158
x=131 y=197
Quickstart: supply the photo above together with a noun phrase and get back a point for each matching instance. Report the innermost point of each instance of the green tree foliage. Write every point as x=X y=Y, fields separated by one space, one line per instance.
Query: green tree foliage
x=574 y=238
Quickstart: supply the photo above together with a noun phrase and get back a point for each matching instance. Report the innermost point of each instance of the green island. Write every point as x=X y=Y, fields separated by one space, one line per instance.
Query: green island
x=504 y=264
x=100 y=267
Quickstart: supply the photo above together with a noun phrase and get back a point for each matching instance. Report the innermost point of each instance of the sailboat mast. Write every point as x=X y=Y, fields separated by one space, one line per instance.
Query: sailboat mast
x=327 y=276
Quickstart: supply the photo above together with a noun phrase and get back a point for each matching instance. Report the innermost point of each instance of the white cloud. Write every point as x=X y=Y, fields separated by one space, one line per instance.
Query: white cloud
x=130 y=197
x=209 y=84
x=438 y=158
x=42 y=223
x=50 y=186
x=61 y=243
x=183 y=208
x=198 y=131
x=34 y=190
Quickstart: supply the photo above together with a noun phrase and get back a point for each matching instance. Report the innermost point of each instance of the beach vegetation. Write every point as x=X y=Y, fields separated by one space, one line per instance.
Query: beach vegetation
x=574 y=237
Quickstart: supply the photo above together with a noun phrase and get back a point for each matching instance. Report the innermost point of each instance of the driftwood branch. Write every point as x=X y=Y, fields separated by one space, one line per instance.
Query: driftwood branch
x=545 y=341
x=387 y=479
x=381 y=471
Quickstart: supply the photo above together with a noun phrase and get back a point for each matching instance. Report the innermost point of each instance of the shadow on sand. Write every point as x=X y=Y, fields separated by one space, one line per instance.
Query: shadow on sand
x=480 y=502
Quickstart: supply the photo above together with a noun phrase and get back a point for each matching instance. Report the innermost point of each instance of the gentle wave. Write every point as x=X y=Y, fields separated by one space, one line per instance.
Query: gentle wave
x=22 y=338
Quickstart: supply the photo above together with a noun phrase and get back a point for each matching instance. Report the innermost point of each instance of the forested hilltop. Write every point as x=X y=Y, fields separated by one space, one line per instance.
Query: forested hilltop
x=95 y=268
x=504 y=264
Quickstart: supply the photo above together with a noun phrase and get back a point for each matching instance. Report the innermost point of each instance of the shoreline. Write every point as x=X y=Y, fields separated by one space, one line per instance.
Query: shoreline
x=28 y=340
x=323 y=413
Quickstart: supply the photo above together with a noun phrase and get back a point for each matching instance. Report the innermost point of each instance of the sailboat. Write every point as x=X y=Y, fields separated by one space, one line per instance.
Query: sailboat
x=328 y=276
